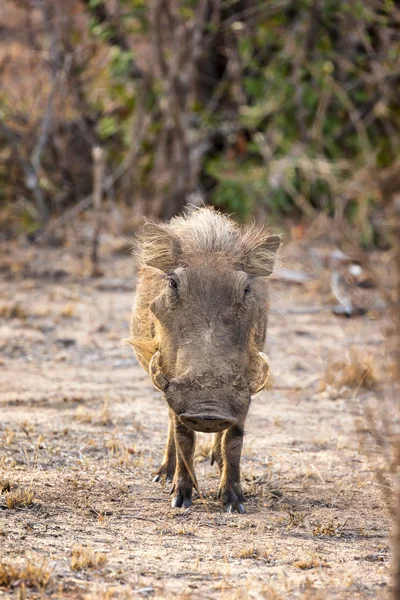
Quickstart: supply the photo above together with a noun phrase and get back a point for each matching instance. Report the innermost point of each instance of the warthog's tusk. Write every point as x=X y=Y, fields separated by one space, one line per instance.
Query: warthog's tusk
x=265 y=381
x=157 y=378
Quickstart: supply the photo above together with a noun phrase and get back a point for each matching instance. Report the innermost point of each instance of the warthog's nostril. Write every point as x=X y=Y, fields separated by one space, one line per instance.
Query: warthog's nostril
x=207 y=423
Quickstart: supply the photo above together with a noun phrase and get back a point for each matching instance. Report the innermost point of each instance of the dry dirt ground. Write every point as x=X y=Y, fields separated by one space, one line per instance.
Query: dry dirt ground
x=82 y=429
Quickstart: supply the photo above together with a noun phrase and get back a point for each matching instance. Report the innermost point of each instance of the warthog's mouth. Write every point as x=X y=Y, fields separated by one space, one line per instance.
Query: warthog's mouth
x=207 y=423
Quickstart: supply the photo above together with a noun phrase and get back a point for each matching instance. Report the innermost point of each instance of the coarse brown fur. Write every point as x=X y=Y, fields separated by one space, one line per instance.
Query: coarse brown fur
x=201 y=312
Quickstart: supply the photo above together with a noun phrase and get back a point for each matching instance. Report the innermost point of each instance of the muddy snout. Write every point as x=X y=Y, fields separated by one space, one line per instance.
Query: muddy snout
x=203 y=405
x=207 y=423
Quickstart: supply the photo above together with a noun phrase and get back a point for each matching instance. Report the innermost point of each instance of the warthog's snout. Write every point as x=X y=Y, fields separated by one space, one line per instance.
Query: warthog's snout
x=207 y=423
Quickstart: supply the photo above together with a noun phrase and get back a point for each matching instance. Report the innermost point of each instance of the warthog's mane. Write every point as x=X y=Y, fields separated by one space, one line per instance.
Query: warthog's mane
x=206 y=232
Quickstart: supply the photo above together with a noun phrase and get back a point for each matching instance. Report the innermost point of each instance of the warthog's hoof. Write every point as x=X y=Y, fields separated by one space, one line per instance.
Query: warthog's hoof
x=181 y=493
x=165 y=472
x=237 y=506
x=179 y=501
x=161 y=476
x=232 y=501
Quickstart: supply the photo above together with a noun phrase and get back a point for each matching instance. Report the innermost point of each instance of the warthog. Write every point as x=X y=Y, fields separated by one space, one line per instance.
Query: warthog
x=198 y=327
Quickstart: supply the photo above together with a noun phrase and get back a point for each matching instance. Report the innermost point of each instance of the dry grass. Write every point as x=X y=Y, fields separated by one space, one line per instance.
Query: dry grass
x=114 y=445
x=356 y=371
x=296 y=519
x=248 y=552
x=20 y=498
x=67 y=312
x=329 y=528
x=84 y=415
x=34 y=574
x=203 y=450
x=189 y=530
x=124 y=457
x=181 y=529
x=112 y=593
x=9 y=437
x=86 y=558
x=312 y=562
x=5 y=484
x=13 y=311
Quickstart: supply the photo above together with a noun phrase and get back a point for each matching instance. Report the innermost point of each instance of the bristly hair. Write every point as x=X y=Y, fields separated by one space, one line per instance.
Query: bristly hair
x=206 y=231
x=158 y=246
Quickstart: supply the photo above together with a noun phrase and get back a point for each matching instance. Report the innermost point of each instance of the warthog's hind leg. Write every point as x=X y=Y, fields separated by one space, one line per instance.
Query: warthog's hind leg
x=216 y=452
x=184 y=474
x=167 y=468
x=230 y=490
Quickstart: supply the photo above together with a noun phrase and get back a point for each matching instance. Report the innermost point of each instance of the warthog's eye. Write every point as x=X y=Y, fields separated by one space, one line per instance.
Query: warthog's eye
x=247 y=289
x=172 y=283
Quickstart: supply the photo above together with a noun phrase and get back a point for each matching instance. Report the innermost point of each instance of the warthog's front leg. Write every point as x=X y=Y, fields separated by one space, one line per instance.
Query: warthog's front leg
x=167 y=468
x=184 y=474
x=230 y=490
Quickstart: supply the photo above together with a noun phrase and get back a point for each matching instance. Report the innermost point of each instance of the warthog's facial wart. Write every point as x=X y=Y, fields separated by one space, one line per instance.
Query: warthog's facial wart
x=265 y=377
x=161 y=382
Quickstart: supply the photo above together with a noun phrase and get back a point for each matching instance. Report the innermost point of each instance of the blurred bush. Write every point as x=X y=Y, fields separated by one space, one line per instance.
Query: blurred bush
x=282 y=108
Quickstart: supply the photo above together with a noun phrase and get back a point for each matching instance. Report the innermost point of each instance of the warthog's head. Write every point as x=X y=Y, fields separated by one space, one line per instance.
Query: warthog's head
x=209 y=321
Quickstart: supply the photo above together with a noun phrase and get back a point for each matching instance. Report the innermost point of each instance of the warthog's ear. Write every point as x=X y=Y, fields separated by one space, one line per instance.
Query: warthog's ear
x=260 y=250
x=159 y=246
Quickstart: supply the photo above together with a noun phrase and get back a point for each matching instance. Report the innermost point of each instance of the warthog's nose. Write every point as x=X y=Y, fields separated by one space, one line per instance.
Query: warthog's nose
x=207 y=423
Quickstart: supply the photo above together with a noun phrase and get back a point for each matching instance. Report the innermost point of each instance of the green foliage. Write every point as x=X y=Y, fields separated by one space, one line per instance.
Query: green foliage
x=307 y=105
x=107 y=127
x=311 y=83
x=121 y=62
x=237 y=191
x=102 y=31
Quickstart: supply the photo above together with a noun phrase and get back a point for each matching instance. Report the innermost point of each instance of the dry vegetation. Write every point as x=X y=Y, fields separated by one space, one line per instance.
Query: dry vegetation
x=353 y=372
x=311 y=562
x=34 y=574
x=86 y=558
x=82 y=432
x=19 y=499
x=5 y=485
